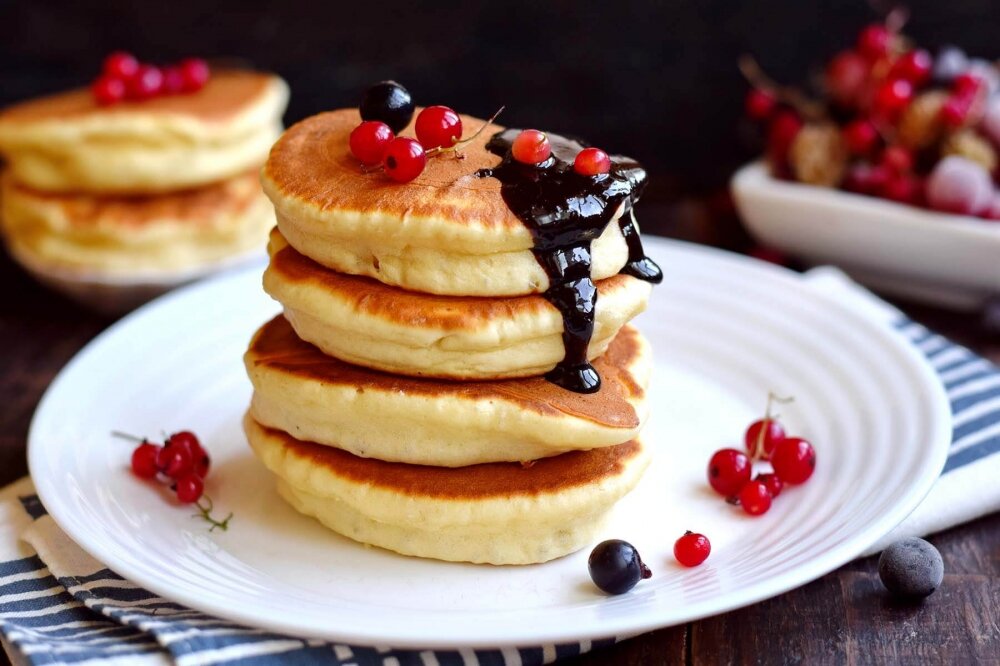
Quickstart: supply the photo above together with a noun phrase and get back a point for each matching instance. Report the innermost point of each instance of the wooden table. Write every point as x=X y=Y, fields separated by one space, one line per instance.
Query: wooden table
x=844 y=617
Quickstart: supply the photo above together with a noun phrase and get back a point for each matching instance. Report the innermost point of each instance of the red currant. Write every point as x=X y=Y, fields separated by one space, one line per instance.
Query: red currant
x=866 y=179
x=175 y=461
x=956 y=110
x=531 y=147
x=591 y=162
x=773 y=484
x=120 y=65
x=173 y=80
x=794 y=460
x=892 y=97
x=108 y=90
x=846 y=77
x=784 y=128
x=194 y=74
x=759 y=104
x=755 y=498
x=728 y=471
x=438 y=126
x=966 y=85
x=761 y=437
x=404 y=159
x=189 y=488
x=914 y=66
x=692 y=549
x=860 y=137
x=897 y=159
x=369 y=140
x=144 y=460
x=904 y=188
x=874 y=41
x=188 y=440
x=147 y=83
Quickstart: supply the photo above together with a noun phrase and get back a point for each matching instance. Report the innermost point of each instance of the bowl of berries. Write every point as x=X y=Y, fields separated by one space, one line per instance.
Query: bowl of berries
x=890 y=170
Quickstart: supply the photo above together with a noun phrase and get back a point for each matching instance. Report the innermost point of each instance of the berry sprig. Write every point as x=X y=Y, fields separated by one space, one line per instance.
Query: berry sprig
x=124 y=78
x=792 y=461
x=182 y=463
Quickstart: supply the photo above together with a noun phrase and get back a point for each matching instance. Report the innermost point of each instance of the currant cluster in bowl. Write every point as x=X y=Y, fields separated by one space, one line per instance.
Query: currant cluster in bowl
x=890 y=121
x=792 y=461
x=124 y=78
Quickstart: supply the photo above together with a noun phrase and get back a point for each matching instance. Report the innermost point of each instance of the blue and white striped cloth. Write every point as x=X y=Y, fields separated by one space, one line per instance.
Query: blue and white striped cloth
x=60 y=606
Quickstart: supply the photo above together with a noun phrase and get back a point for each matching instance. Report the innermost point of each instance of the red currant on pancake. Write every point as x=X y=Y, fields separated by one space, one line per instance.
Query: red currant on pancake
x=369 y=141
x=531 y=147
x=120 y=65
x=438 y=126
x=794 y=460
x=404 y=159
x=728 y=471
x=592 y=162
x=189 y=488
x=144 y=460
x=692 y=549
x=147 y=83
x=755 y=498
x=108 y=90
x=194 y=74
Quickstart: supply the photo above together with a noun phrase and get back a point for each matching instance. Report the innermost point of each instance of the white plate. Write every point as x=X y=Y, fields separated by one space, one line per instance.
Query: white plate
x=724 y=330
x=949 y=260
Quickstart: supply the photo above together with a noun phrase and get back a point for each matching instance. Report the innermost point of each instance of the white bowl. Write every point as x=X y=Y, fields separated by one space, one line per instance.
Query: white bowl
x=949 y=260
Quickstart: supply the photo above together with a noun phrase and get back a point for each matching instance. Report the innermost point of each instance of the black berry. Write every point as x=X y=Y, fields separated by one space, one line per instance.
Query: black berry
x=615 y=566
x=388 y=102
x=911 y=568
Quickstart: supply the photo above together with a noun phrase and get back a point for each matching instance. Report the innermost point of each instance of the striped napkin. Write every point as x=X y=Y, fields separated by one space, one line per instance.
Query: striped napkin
x=60 y=606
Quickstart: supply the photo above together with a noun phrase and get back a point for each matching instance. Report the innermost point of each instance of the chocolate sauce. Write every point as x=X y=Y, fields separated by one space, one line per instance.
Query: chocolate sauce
x=565 y=212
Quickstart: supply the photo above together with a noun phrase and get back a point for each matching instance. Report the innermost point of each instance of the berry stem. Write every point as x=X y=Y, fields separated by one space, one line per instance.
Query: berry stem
x=126 y=436
x=772 y=397
x=205 y=513
x=808 y=108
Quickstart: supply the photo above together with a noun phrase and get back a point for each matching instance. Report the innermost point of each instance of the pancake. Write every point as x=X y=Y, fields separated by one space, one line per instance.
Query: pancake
x=367 y=323
x=67 y=143
x=448 y=232
x=318 y=398
x=118 y=235
x=496 y=513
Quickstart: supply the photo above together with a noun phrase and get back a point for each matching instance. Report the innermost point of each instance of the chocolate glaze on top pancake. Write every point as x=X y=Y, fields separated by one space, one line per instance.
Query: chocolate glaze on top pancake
x=483 y=481
x=277 y=346
x=227 y=93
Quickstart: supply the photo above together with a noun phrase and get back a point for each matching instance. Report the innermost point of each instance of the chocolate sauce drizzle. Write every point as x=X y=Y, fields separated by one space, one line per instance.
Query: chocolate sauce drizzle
x=565 y=213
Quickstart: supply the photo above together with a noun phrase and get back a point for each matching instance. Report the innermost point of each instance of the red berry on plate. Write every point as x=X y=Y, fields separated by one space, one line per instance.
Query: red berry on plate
x=120 y=65
x=173 y=80
x=794 y=460
x=592 y=162
x=404 y=159
x=966 y=85
x=108 y=90
x=147 y=83
x=144 y=460
x=956 y=110
x=369 y=141
x=189 y=488
x=784 y=128
x=692 y=549
x=861 y=136
x=866 y=179
x=761 y=437
x=846 y=77
x=892 y=97
x=904 y=188
x=728 y=471
x=897 y=159
x=759 y=104
x=175 y=461
x=194 y=73
x=914 y=66
x=874 y=41
x=755 y=498
x=773 y=484
x=531 y=147
x=438 y=126
x=188 y=440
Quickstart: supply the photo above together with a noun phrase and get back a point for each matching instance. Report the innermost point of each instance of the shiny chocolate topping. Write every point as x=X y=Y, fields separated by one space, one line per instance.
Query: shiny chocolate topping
x=565 y=212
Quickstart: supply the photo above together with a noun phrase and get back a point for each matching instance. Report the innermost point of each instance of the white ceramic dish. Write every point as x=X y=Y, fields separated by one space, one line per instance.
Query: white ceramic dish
x=724 y=329
x=950 y=260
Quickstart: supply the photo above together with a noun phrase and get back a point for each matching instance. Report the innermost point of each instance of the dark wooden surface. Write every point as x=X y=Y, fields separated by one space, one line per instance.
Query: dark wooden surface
x=842 y=618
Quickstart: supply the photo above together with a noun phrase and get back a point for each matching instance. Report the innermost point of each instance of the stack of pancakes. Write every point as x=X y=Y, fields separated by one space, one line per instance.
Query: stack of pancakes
x=400 y=399
x=152 y=188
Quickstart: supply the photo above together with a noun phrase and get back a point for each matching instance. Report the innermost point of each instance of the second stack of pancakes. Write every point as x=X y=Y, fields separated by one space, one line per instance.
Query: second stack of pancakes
x=401 y=398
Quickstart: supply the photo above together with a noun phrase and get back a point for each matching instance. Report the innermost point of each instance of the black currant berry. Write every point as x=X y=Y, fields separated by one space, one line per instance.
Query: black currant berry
x=389 y=102
x=615 y=566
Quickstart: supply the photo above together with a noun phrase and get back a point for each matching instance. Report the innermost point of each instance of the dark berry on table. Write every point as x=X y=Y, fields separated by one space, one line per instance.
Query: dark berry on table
x=911 y=568
x=755 y=498
x=194 y=74
x=861 y=137
x=762 y=436
x=369 y=141
x=874 y=41
x=404 y=159
x=759 y=104
x=794 y=460
x=144 y=459
x=147 y=83
x=388 y=102
x=592 y=162
x=531 y=147
x=189 y=488
x=728 y=471
x=772 y=482
x=615 y=566
x=692 y=549
x=108 y=90
x=175 y=461
x=438 y=126
x=120 y=65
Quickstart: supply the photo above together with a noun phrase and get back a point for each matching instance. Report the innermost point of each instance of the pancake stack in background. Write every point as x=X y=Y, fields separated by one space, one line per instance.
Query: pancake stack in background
x=115 y=203
x=400 y=399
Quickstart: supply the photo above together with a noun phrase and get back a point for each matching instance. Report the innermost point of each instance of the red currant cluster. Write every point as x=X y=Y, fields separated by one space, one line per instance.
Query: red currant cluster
x=792 y=461
x=532 y=147
x=123 y=77
x=890 y=116
x=182 y=463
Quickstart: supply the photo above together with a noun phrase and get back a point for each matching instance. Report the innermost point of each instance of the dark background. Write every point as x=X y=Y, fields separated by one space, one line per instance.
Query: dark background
x=656 y=80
